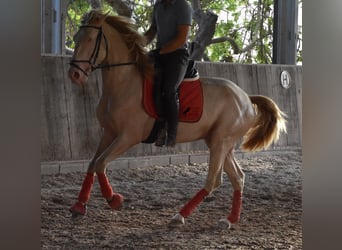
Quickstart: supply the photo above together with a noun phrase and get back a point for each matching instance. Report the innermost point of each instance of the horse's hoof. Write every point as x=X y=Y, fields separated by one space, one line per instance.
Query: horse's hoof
x=177 y=221
x=78 y=210
x=76 y=216
x=224 y=224
x=116 y=202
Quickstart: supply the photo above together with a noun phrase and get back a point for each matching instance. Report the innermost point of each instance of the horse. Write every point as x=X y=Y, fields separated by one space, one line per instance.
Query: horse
x=230 y=116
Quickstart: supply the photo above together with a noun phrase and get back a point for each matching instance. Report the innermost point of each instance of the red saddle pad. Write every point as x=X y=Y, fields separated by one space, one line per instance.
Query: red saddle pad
x=190 y=100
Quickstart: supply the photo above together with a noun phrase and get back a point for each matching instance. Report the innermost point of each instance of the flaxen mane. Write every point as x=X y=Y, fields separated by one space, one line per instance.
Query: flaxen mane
x=128 y=30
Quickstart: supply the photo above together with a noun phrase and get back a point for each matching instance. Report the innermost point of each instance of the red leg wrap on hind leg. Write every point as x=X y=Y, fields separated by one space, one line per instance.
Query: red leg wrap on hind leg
x=234 y=216
x=193 y=203
x=86 y=188
x=106 y=189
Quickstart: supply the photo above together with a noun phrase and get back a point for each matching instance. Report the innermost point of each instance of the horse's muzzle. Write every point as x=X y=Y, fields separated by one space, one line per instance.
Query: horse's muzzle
x=78 y=76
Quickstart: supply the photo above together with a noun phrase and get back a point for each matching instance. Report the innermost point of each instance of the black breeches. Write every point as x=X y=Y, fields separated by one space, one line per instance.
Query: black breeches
x=172 y=68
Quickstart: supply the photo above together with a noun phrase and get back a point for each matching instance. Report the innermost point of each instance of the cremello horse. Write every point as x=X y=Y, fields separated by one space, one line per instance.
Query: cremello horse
x=229 y=114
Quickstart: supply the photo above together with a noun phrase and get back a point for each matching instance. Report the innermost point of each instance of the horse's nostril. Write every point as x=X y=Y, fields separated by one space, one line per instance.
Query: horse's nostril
x=76 y=75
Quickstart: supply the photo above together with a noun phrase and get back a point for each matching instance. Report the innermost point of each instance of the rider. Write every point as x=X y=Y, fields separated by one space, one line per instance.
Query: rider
x=171 y=22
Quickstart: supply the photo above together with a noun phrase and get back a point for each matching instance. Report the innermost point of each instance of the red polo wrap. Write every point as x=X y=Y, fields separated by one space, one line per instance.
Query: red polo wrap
x=86 y=188
x=193 y=203
x=106 y=189
x=234 y=216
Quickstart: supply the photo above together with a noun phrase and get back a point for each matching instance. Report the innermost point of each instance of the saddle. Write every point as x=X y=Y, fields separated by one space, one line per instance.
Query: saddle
x=190 y=101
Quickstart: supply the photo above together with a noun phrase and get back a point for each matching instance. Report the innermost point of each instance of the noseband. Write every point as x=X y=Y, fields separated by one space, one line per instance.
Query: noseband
x=92 y=60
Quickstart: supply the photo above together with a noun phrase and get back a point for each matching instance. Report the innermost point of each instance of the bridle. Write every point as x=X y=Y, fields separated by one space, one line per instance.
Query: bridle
x=95 y=53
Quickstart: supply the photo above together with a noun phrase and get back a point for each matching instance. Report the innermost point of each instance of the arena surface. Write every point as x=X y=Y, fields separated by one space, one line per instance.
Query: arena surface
x=271 y=213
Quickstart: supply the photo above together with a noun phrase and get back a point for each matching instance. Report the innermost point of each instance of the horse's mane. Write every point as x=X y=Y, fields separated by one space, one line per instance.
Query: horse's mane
x=128 y=30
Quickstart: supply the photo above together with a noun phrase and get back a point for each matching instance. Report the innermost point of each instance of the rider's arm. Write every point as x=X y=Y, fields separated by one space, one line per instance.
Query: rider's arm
x=150 y=33
x=178 y=41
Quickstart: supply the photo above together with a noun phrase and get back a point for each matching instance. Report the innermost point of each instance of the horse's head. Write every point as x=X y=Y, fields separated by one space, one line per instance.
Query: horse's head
x=121 y=46
x=90 y=48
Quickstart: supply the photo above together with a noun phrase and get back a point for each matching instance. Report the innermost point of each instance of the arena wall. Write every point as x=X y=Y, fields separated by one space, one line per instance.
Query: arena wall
x=70 y=132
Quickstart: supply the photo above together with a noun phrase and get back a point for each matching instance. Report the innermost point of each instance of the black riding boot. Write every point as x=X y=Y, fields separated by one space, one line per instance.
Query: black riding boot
x=172 y=122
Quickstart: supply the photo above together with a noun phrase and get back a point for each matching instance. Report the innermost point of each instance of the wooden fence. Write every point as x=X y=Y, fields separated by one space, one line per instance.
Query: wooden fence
x=69 y=129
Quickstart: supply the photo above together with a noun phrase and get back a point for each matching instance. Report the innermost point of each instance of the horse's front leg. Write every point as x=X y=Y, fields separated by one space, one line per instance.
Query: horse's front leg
x=120 y=145
x=80 y=207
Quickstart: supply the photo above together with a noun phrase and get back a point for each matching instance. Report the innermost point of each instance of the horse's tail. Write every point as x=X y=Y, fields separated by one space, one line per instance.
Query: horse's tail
x=269 y=123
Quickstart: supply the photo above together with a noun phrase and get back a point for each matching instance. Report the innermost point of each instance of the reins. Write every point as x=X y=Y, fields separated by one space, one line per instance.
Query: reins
x=95 y=53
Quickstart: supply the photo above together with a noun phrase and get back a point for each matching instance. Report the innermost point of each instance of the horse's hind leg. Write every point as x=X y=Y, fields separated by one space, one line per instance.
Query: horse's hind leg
x=213 y=181
x=237 y=178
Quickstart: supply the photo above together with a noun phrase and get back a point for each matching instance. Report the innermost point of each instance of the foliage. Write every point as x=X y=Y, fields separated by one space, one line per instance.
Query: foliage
x=244 y=30
x=75 y=10
x=249 y=23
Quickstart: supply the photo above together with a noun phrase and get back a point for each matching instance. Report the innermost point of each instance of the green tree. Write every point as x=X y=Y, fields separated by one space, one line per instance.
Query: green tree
x=223 y=30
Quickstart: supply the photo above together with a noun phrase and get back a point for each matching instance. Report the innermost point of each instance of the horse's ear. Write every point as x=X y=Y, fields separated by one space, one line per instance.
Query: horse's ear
x=99 y=19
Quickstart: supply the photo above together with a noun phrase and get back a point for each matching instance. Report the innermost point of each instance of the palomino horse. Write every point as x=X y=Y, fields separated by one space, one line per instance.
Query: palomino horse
x=229 y=114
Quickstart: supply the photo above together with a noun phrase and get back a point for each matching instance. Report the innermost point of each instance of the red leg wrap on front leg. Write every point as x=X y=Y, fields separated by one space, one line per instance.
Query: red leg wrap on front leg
x=193 y=203
x=106 y=189
x=114 y=200
x=83 y=197
x=88 y=182
x=79 y=208
x=234 y=216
